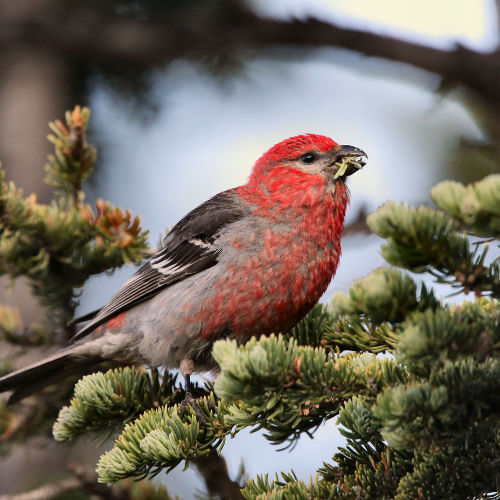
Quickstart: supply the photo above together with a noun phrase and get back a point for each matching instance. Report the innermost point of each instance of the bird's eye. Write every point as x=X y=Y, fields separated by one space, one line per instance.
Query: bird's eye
x=308 y=157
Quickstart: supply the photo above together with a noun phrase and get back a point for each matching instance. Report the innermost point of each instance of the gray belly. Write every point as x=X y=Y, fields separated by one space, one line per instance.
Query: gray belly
x=165 y=330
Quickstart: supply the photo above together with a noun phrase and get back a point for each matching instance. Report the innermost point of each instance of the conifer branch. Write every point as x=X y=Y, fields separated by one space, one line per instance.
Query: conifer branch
x=311 y=330
x=74 y=159
x=476 y=206
x=369 y=317
x=104 y=400
x=289 y=389
x=161 y=439
x=58 y=246
x=422 y=423
x=427 y=240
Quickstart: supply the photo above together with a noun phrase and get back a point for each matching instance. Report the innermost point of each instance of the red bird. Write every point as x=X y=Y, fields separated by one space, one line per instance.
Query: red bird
x=251 y=260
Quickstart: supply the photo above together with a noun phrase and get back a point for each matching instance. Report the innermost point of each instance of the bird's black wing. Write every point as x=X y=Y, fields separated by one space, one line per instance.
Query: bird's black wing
x=188 y=249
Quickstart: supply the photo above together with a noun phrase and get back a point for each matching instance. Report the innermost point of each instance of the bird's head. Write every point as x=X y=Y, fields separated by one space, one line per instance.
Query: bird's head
x=312 y=154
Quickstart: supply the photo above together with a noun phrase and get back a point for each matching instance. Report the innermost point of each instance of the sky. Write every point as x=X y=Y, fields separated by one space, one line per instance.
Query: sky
x=207 y=135
x=439 y=23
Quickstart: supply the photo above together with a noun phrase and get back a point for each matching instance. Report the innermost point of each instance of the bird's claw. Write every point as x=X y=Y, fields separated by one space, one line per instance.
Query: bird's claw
x=193 y=402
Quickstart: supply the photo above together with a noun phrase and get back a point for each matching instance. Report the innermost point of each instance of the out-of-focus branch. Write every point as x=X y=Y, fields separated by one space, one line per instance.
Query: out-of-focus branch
x=47 y=491
x=26 y=413
x=83 y=479
x=213 y=469
x=358 y=225
x=88 y=483
x=87 y=34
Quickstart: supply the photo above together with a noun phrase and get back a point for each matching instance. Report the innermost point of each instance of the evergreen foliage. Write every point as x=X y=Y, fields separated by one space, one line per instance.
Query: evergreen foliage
x=117 y=396
x=420 y=422
x=59 y=245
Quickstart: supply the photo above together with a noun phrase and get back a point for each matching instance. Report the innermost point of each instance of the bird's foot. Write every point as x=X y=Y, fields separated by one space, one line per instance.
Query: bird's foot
x=190 y=400
x=193 y=402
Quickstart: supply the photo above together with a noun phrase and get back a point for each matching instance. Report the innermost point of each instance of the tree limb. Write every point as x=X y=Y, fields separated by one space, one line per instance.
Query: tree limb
x=94 y=36
x=213 y=469
x=47 y=491
x=83 y=479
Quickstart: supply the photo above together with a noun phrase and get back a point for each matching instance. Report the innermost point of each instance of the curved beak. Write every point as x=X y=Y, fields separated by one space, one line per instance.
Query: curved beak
x=350 y=160
x=351 y=151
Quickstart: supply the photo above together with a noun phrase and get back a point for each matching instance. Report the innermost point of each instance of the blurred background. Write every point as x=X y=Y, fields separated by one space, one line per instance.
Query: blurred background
x=186 y=95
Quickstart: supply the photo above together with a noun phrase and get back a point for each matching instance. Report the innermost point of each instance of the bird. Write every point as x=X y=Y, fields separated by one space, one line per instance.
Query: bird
x=252 y=260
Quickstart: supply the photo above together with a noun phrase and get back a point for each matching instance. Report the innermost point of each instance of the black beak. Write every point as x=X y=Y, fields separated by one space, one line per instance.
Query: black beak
x=354 y=157
x=352 y=151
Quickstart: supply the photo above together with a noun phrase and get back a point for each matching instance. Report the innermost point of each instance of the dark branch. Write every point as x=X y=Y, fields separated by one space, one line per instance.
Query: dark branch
x=358 y=225
x=90 y=35
x=213 y=469
x=88 y=483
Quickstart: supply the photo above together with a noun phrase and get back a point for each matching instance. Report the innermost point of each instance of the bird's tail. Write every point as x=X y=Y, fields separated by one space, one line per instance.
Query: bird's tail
x=35 y=377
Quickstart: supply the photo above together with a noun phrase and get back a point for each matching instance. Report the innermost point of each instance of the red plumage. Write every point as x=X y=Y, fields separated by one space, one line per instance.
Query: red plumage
x=249 y=261
x=274 y=289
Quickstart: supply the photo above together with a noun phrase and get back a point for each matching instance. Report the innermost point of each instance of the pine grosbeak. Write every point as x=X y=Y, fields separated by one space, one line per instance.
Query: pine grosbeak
x=251 y=260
